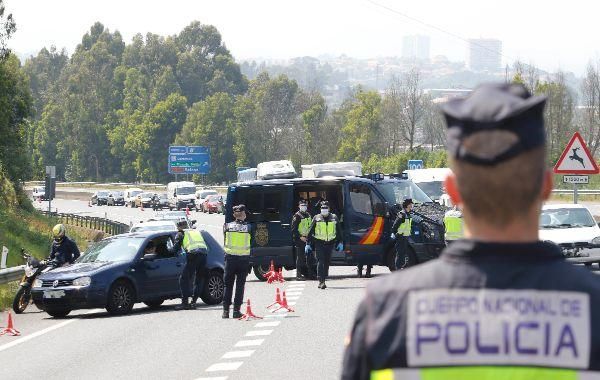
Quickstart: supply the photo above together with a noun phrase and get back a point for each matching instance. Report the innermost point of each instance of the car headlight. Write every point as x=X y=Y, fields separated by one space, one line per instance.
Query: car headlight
x=596 y=240
x=82 y=281
x=37 y=283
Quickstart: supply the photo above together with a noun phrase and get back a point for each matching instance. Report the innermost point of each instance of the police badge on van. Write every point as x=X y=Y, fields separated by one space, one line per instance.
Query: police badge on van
x=262 y=234
x=491 y=326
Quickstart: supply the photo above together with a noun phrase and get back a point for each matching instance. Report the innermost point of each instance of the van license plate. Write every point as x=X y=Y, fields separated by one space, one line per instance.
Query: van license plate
x=54 y=293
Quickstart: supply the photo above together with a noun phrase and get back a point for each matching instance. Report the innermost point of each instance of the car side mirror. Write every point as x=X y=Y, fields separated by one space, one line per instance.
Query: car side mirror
x=149 y=257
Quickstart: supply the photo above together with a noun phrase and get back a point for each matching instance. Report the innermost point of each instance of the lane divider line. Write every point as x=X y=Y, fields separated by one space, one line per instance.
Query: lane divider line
x=268 y=324
x=36 y=334
x=225 y=366
x=249 y=343
x=259 y=333
x=237 y=354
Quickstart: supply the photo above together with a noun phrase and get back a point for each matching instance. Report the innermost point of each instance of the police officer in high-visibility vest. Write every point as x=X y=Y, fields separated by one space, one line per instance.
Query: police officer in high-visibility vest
x=237 y=260
x=325 y=233
x=300 y=227
x=192 y=277
x=401 y=230
x=453 y=223
x=499 y=304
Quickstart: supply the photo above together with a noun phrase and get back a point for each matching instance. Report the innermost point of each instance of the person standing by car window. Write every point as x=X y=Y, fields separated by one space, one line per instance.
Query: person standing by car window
x=325 y=233
x=493 y=305
x=401 y=230
x=194 y=270
x=300 y=229
x=237 y=260
x=63 y=250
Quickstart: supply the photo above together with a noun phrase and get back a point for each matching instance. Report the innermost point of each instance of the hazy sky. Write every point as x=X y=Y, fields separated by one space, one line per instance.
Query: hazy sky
x=550 y=34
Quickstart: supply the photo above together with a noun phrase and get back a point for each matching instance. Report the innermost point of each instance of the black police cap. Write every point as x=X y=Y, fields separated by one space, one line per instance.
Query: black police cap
x=302 y=202
x=324 y=204
x=495 y=107
x=239 y=208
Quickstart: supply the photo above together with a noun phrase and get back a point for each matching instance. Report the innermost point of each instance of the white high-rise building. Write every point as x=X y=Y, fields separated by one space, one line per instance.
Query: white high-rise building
x=485 y=54
x=415 y=47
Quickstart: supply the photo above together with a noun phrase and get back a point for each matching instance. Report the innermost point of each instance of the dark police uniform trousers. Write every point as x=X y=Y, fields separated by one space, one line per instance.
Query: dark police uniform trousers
x=191 y=281
x=496 y=307
x=403 y=253
x=323 y=252
x=236 y=270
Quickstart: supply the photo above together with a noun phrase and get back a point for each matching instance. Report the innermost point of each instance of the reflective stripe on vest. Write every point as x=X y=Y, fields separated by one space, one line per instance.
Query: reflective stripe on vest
x=325 y=231
x=483 y=373
x=193 y=240
x=405 y=227
x=304 y=226
x=454 y=227
x=237 y=243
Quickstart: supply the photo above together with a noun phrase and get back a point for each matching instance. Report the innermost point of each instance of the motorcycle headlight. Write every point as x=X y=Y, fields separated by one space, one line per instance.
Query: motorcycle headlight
x=37 y=283
x=596 y=240
x=82 y=281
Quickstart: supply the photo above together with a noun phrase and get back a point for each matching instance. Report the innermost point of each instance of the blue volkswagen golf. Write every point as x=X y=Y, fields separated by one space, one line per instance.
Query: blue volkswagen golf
x=115 y=274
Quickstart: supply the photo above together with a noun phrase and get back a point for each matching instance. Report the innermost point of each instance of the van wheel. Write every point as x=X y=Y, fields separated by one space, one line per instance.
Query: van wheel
x=260 y=271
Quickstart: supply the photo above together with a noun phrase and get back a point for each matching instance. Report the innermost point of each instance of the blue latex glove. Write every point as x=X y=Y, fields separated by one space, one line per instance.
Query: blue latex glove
x=393 y=236
x=340 y=247
x=307 y=249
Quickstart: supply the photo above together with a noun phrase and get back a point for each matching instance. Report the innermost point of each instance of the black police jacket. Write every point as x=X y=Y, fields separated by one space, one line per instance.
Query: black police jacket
x=298 y=216
x=479 y=304
x=64 y=252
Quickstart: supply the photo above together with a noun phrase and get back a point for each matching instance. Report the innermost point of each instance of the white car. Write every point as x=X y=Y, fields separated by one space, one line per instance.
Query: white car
x=38 y=193
x=154 y=225
x=569 y=225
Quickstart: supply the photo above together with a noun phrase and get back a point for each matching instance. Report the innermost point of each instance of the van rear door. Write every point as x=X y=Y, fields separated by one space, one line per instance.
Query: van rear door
x=366 y=227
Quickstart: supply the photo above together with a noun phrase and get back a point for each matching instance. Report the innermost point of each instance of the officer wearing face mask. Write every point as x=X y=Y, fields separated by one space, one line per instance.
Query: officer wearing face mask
x=64 y=250
x=300 y=228
x=325 y=233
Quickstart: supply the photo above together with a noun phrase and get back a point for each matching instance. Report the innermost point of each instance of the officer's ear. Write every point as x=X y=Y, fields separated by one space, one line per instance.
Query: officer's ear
x=452 y=189
x=547 y=185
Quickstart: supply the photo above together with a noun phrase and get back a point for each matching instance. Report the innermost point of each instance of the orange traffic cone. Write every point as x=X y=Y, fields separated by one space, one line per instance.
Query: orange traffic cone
x=141 y=206
x=249 y=315
x=187 y=211
x=283 y=305
x=10 y=328
x=280 y=276
x=271 y=275
x=277 y=299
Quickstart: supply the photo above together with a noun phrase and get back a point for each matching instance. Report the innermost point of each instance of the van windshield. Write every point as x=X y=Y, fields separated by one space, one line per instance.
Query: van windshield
x=397 y=191
x=186 y=190
x=435 y=189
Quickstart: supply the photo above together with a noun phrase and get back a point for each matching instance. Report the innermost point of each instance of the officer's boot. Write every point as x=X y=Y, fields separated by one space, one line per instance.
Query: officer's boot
x=225 y=312
x=359 y=272
x=368 y=273
x=236 y=311
x=299 y=275
x=193 y=305
x=184 y=304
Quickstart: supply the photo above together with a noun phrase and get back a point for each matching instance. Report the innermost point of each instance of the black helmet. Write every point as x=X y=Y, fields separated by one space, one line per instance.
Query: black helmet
x=407 y=201
x=182 y=224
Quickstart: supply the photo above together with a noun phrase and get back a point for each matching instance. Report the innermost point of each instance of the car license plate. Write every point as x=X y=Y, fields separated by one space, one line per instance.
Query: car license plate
x=54 y=293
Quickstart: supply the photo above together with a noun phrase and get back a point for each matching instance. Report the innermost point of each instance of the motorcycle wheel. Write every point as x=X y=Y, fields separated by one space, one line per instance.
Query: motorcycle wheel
x=21 y=300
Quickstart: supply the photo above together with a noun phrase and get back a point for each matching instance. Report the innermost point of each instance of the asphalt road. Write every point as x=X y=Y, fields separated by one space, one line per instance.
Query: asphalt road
x=195 y=344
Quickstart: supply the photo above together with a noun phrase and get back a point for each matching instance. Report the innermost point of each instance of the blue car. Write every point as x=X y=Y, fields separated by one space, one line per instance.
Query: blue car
x=115 y=274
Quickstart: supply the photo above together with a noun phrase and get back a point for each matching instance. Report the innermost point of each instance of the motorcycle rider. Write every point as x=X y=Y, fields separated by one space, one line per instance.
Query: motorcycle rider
x=155 y=202
x=63 y=250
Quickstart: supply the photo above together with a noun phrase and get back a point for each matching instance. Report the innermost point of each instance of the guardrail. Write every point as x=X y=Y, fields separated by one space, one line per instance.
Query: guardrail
x=11 y=274
x=579 y=191
x=109 y=226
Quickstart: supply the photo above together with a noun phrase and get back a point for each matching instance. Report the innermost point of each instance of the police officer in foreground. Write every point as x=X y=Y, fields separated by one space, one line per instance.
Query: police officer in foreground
x=325 y=233
x=300 y=228
x=63 y=250
x=401 y=230
x=499 y=304
x=191 y=280
x=237 y=260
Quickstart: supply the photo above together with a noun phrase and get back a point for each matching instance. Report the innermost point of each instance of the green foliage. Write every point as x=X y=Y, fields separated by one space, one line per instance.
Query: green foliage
x=361 y=132
x=397 y=163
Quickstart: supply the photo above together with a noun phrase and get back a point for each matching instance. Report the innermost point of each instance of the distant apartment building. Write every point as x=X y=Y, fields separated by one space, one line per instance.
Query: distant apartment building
x=485 y=54
x=415 y=47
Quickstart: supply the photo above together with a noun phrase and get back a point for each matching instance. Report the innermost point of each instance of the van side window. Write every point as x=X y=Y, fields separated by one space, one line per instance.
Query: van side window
x=360 y=197
x=253 y=202
x=273 y=206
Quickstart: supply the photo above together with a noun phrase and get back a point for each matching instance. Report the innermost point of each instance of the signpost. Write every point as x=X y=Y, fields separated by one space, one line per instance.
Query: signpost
x=50 y=185
x=576 y=159
x=189 y=160
x=415 y=164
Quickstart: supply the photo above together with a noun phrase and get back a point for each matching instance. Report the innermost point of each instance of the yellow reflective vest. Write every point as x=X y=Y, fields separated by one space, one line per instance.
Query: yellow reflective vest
x=193 y=241
x=325 y=231
x=237 y=239
x=454 y=227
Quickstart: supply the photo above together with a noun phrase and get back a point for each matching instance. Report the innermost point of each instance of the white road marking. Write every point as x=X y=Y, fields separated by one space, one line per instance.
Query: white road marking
x=291 y=303
x=259 y=333
x=36 y=334
x=282 y=315
x=248 y=343
x=293 y=293
x=296 y=285
x=294 y=298
x=238 y=354
x=268 y=324
x=212 y=378
x=228 y=366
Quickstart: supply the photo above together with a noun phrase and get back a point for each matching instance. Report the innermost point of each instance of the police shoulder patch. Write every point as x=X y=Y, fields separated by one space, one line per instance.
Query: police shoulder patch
x=493 y=326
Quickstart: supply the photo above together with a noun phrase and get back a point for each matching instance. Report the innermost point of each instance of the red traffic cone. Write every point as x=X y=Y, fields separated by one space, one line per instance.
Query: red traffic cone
x=187 y=211
x=141 y=206
x=271 y=275
x=10 y=328
x=283 y=305
x=280 y=276
x=249 y=315
x=277 y=299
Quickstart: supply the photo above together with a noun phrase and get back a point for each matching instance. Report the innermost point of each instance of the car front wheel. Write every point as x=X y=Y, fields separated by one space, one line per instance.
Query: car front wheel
x=58 y=313
x=120 y=298
x=213 y=291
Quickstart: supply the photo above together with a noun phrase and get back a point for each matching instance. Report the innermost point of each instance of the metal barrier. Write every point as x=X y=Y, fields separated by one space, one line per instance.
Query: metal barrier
x=106 y=225
x=579 y=191
x=11 y=274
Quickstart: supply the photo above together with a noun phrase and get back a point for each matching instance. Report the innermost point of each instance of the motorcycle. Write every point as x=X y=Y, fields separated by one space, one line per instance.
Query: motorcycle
x=33 y=268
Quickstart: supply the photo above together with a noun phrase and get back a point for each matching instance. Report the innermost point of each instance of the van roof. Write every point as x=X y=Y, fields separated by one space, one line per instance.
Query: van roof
x=322 y=180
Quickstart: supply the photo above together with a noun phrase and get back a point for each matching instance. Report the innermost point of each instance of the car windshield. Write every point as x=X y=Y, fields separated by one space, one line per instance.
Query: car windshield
x=146 y=195
x=566 y=218
x=103 y=193
x=155 y=227
x=397 y=191
x=186 y=190
x=205 y=194
x=163 y=196
x=434 y=189
x=213 y=198
x=110 y=250
x=134 y=193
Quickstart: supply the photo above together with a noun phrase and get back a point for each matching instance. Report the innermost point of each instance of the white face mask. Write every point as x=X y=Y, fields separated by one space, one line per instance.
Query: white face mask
x=303 y=208
x=325 y=211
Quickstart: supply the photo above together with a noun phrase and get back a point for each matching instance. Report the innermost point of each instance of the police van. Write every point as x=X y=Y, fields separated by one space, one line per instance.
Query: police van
x=365 y=205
